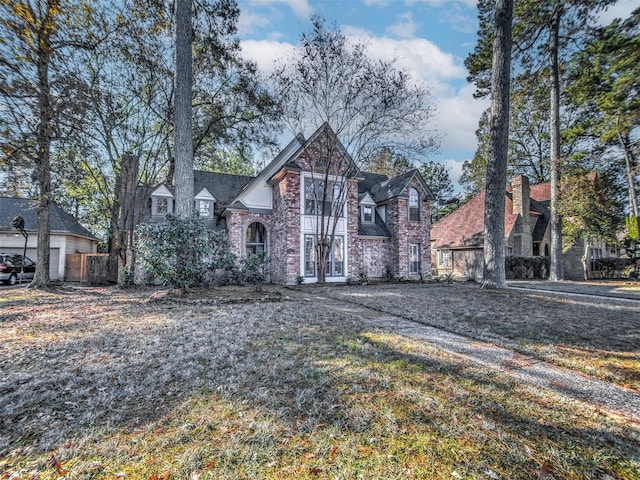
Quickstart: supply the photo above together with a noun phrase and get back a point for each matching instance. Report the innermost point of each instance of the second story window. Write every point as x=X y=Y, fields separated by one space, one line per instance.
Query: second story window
x=204 y=208
x=162 y=206
x=314 y=193
x=414 y=206
x=367 y=214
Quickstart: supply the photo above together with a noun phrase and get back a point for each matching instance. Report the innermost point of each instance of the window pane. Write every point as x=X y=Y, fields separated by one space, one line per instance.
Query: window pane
x=162 y=206
x=309 y=256
x=337 y=257
x=367 y=213
x=414 y=206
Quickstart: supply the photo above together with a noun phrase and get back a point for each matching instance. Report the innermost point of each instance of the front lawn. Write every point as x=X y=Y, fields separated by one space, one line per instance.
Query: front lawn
x=104 y=383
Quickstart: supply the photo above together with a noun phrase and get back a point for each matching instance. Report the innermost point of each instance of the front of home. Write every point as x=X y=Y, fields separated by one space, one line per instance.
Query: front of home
x=457 y=240
x=376 y=226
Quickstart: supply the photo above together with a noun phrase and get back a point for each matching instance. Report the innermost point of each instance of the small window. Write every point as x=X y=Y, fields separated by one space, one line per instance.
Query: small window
x=204 y=208
x=414 y=259
x=414 y=206
x=444 y=258
x=162 y=206
x=256 y=238
x=367 y=214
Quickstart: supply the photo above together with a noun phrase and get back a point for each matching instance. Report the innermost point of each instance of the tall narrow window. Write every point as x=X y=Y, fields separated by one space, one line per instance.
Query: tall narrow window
x=414 y=206
x=414 y=258
x=309 y=256
x=256 y=238
x=335 y=264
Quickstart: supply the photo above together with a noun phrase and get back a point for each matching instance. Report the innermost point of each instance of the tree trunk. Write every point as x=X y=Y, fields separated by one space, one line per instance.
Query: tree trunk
x=557 y=269
x=631 y=175
x=43 y=161
x=184 y=195
x=494 y=255
x=585 y=259
x=127 y=224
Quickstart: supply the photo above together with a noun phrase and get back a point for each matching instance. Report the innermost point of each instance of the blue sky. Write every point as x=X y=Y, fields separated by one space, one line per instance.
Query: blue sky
x=430 y=38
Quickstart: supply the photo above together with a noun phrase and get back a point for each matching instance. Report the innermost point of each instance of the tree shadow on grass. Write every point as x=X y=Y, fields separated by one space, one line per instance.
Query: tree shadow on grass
x=308 y=373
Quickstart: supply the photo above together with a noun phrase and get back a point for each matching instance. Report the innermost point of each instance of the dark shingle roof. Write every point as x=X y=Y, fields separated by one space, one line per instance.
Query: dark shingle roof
x=377 y=229
x=223 y=186
x=368 y=180
x=395 y=186
x=60 y=221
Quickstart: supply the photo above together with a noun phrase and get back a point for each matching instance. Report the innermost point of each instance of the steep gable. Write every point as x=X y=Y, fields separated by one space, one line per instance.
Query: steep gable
x=397 y=186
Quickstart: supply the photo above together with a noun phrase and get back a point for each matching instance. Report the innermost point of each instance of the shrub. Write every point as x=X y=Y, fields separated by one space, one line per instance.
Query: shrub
x=255 y=269
x=179 y=252
x=611 y=267
x=526 y=267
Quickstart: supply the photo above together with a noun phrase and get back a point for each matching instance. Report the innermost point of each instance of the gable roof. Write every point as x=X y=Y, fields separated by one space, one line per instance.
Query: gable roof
x=464 y=227
x=395 y=186
x=60 y=221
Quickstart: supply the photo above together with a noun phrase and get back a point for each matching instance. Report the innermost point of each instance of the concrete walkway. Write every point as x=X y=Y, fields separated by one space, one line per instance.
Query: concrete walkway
x=577 y=386
x=620 y=290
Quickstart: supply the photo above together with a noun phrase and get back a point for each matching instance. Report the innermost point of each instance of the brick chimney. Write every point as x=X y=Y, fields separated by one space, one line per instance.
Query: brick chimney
x=521 y=198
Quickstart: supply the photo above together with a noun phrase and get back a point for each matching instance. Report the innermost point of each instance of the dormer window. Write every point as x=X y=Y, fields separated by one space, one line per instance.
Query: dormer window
x=367 y=214
x=204 y=208
x=414 y=205
x=161 y=201
x=204 y=203
x=162 y=206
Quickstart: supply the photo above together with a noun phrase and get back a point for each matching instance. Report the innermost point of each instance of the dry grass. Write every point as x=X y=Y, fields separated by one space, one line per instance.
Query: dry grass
x=106 y=384
x=594 y=337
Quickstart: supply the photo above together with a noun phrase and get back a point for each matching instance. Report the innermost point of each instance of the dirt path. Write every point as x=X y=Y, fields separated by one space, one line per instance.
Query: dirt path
x=600 y=394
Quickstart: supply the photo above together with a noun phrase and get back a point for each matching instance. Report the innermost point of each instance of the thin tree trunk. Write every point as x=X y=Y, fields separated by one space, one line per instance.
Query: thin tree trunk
x=183 y=111
x=557 y=268
x=494 y=255
x=41 y=277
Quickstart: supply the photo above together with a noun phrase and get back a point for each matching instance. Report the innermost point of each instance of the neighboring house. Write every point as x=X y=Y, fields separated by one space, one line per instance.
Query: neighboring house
x=382 y=224
x=457 y=240
x=67 y=235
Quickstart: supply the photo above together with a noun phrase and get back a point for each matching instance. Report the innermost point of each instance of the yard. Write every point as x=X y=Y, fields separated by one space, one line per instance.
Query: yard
x=229 y=383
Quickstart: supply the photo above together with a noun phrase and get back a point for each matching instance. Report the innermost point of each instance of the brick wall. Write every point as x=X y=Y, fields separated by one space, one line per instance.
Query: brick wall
x=285 y=245
x=406 y=232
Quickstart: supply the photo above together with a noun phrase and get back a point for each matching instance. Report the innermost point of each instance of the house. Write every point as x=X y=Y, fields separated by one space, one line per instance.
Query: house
x=457 y=240
x=380 y=225
x=67 y=235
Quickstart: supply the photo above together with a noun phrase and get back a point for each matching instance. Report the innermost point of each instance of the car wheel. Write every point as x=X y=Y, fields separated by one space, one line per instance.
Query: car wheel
x=12 y=279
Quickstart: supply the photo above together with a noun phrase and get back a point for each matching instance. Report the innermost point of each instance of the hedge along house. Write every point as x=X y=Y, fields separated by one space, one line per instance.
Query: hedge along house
x=67 y=236
x=373 y=224
x=457 y=240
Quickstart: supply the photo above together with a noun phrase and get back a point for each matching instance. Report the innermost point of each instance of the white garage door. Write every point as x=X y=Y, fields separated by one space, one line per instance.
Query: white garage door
x=33 y=255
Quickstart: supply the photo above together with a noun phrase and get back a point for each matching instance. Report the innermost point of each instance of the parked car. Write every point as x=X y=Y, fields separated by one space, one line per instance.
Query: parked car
x=11 y=268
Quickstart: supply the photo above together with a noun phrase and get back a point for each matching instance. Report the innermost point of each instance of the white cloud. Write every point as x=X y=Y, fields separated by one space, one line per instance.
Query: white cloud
x=454 y=167
x=404 y=27
x=265 y=52
x=458 y=116
x=424 y=59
